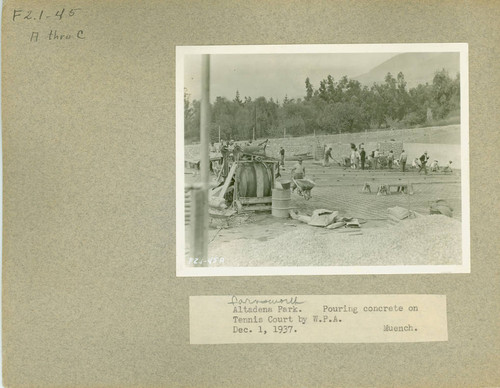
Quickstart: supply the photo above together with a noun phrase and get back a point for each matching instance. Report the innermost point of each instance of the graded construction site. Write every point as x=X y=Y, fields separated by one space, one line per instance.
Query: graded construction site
x=362 y=229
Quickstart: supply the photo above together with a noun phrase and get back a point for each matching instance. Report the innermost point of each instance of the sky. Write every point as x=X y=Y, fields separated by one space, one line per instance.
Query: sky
x=274 y=75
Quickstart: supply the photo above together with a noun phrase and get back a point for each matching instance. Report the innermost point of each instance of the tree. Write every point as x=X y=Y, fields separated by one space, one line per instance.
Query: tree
x=420 y=100
x=330 y=89
x=188 y=109
x=309 y=89
x=191 y=118
x=322 y=92
x=237 y=98
x=344 y=106
x=402 y=101
x=444 y=93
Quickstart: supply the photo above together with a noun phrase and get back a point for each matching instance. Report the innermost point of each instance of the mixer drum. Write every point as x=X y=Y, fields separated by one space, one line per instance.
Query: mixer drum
x=254 y=180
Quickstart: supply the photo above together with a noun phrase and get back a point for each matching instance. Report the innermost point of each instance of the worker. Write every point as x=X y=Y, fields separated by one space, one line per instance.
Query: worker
x=298 y=172
x=362 y=156
x=328 y=156
x=282 y=156
x=423 y=162
x=237 y=152
x=390 y=159
x=225 y=160
x=376 y=156
x=402 y=160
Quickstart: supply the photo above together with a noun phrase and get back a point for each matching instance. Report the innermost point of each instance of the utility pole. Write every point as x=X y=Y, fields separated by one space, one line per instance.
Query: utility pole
x=255 y=126
x=199 y=200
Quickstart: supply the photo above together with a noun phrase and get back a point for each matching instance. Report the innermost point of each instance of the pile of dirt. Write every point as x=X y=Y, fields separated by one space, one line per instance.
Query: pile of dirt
x=426 y=240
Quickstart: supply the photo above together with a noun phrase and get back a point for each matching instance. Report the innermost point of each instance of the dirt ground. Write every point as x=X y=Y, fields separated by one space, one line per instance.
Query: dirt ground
x=259 y=239
x=267 y=241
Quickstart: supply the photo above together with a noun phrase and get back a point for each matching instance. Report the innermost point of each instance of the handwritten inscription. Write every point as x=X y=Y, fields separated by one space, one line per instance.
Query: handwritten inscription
x=239 y=301
x=40 y=15
x=55 y=35
x=210 y=260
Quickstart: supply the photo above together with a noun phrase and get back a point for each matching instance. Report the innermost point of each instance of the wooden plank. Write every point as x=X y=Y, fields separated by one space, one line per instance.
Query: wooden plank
x=260 y=180
x=251 y=208
x=215 y=192
x=236 y=190
x=254 y=200
x=228 y=180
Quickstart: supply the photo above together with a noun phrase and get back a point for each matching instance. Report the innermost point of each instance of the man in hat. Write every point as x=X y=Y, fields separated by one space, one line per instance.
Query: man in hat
x=328 y=156
x=402 y=160
x=376 y=156
x=299 y=171
x=282 y=156
x=390 y=159
x=362 y=155
x=423 y=162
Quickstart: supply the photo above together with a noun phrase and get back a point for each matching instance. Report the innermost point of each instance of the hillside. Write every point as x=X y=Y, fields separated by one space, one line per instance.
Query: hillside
x=418 y=68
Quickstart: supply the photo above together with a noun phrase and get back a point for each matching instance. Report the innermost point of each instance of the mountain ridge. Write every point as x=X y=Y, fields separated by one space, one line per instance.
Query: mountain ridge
x=418 y=68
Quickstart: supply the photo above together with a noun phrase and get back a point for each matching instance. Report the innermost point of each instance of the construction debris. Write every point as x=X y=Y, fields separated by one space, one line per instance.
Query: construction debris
x=441 y=207
x=299 y=217
x=217 y=202
x=323 y=217
x=336 y=225
x=397 y=214
x=354 y=223
x=320 y=217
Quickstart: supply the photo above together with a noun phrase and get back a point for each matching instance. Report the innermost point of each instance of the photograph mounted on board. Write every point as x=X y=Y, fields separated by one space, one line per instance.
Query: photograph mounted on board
x=322 y=159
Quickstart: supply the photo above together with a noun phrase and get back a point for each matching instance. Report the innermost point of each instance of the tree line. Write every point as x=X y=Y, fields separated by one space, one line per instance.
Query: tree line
x=336 y=106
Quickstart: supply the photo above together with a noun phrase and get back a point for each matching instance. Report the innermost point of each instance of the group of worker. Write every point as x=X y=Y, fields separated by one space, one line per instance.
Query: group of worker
x=421 y=164
x=358 y=159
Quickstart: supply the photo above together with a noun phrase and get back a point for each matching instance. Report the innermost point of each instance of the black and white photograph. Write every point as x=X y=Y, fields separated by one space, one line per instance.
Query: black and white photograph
x=322 y=159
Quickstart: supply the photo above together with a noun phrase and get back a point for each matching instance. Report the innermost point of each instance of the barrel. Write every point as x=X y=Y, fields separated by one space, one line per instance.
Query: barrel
x=254 y=180
x=281 y=203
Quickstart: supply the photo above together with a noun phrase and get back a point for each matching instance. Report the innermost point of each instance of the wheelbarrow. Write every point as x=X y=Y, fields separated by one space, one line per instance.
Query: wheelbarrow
x=304 y=187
